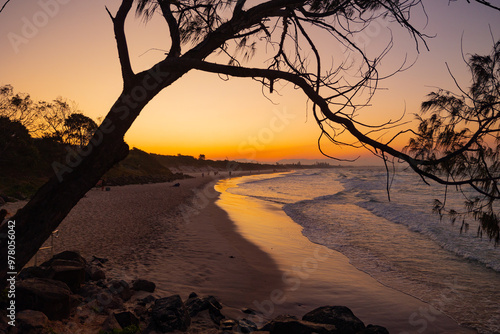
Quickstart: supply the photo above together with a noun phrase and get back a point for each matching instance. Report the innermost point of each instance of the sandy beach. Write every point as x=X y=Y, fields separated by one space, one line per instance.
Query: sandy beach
x=174 y=236
x=180 y=238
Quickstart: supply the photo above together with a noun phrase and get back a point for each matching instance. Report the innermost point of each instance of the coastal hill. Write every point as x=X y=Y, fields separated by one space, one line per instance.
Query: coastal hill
x=21 y=178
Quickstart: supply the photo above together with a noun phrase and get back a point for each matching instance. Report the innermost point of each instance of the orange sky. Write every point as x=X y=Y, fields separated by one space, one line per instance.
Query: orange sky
x=71 y=53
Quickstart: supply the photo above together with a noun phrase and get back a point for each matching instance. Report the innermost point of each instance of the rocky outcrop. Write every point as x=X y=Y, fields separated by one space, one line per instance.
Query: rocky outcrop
x=45 y=302
x=288 y=324
x=29 y=321
x=143 y=285
x=68 y=267
x=340 y=316
x=49 y=296
x=170 y=314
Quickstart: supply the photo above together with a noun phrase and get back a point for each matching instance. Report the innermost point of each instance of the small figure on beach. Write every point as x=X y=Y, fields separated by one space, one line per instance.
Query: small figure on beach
x=103 y=183
x=202 y=174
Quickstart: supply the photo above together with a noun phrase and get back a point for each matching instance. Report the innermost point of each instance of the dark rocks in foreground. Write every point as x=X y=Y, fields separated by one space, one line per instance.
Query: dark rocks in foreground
x=73 y=295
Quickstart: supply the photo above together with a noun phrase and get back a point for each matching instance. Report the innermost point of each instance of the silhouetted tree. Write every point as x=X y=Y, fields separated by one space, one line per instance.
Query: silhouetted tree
x=53 y=117
x=41 y=119
x=16 y=145
x=460 y=142
x=18 y=107
x=78 y=129
x=233 y=29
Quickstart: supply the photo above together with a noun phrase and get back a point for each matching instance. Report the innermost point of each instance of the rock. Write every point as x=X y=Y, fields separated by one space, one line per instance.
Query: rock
x=195 y=304
x=66 y=255
x=249 y=311
x=246 y=326
x=35 y=272
x=90 y=290
x=193 y=295
x=110 y=325
x=146 y=300
x=105 y=301
x=46 y=295
x=340 y=316
x=98 y=260
x=94 y=273
x=143 y=285
x=121 y=289
x=291 y=325
x=29 y=321
x=214 y=302
x=373 y=329
x=70 y=272
x=140 y=311
x=126 y=319
x=228 y=324
x=170 y=314
x=215 y=314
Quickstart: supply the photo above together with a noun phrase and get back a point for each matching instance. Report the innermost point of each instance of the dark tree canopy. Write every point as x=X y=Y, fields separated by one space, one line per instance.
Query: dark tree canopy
x=461 y=141
x=53 y=119
x=292 y=35
x=78 y=129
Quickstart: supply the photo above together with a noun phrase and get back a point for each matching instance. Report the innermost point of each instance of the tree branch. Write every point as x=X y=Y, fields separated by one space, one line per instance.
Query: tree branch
x=121 y=40
x=5 y=4
x=173 y=27
x=486 y=3
x=311 y=93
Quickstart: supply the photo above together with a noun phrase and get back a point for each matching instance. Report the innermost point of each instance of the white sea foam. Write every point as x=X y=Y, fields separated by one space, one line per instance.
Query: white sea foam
x=401 y=243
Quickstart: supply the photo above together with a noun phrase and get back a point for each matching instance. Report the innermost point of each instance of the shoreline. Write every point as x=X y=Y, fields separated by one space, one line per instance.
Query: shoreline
x=174 y=236
x=181 y=239
x=317 y=276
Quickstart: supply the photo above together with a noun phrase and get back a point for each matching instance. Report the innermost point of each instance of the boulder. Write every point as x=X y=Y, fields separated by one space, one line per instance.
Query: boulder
x=340 y=316
x=228 y=324
x=170 y=314
x=46 y=295
x=94 y=273
x=246 y=326
x=35 y=272
x=215 y=314
x=249 y=311
x=29 y=321
x=195 y=305
x=66 y=255
x=89 y=291
x=121 y=289
x=286 y=324
x=110 y=325
x=140 y=311
x=70 y=272
x=146 y=300
x=105 y=301
x=143 y=285
x=126 y=319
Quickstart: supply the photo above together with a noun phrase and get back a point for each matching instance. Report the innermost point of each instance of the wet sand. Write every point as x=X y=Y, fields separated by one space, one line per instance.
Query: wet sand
x=314 y=275
x=255 y=256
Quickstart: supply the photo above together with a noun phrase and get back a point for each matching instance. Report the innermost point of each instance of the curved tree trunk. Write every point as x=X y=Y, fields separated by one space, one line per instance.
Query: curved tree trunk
x=75 y=176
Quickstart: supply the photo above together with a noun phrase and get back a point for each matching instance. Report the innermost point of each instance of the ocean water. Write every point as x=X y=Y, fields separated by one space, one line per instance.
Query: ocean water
x=401 y=242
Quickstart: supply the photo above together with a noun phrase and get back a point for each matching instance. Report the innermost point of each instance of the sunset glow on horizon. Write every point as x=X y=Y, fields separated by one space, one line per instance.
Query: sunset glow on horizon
x=73 y=55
